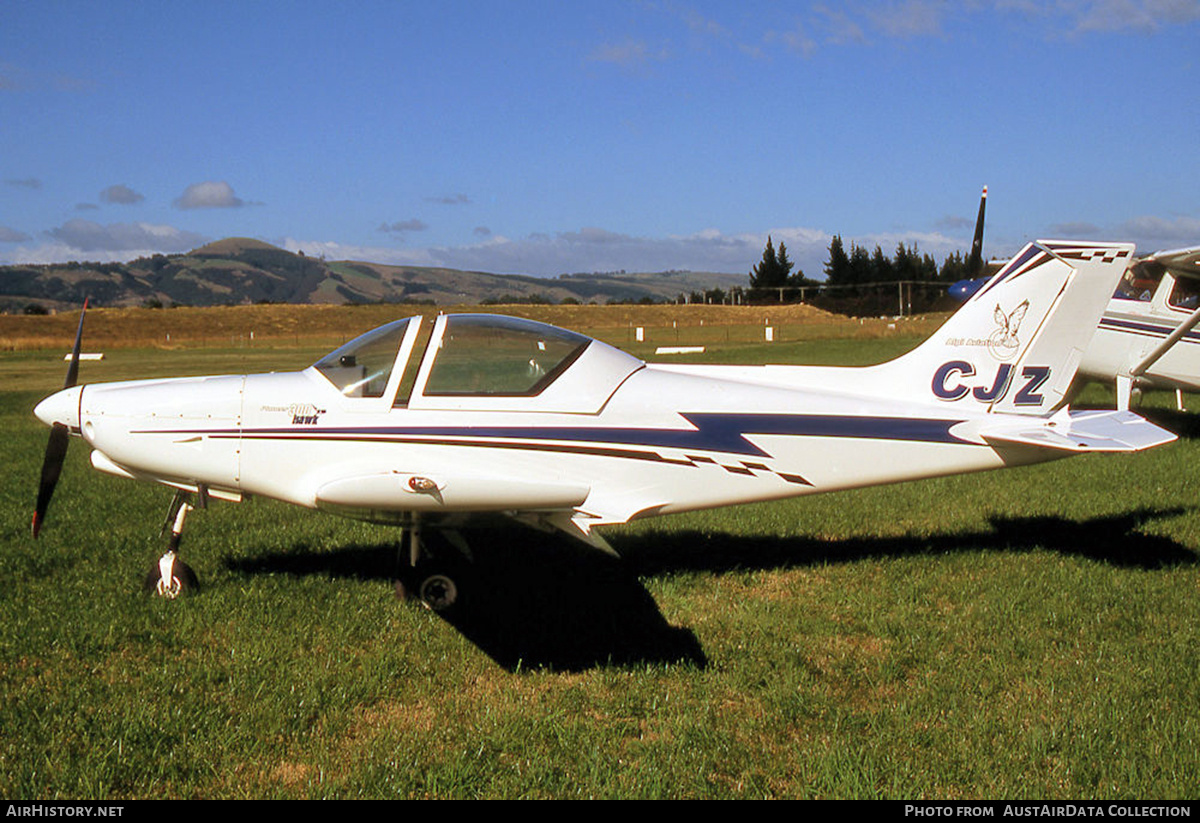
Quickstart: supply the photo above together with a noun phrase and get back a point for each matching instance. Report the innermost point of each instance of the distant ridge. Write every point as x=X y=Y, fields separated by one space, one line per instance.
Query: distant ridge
x=239 y=270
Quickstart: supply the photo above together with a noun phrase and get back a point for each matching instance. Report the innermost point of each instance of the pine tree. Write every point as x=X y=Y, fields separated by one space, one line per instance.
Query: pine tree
x=769 y=273
x=954 y=269
x=837 y=269
x=860 y=264
x=783 y=265
x=882 y=270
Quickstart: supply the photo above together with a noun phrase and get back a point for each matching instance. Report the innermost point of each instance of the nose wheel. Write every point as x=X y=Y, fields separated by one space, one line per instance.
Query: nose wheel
x=170 y=577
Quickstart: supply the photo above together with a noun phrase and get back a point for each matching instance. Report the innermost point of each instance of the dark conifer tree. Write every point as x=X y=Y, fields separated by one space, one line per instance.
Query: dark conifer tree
x=782 y=264
x=837 y=268
x=882 y=269
x=860 y=264
x=769 y=273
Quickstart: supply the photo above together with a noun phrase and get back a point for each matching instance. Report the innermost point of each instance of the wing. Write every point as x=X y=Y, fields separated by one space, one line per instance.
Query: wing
x=1179 y=261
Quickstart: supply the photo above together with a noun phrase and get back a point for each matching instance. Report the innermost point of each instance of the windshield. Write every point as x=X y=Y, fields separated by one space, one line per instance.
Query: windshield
x=501 y=356
x=1140 y=281
x=1185 y=294
x=361 y=368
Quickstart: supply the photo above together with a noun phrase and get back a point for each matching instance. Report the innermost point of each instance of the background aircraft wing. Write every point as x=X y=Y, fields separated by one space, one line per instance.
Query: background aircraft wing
x=1179 y=261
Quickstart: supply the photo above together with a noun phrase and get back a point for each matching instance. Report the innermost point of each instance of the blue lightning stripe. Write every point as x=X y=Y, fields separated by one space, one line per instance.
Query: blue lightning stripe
x=712 y=432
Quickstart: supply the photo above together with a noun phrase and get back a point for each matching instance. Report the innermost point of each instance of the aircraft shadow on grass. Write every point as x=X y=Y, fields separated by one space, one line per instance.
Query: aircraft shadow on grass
x=528 y=599
x=535 y=600
x=1114 y=539
x=1185 y=424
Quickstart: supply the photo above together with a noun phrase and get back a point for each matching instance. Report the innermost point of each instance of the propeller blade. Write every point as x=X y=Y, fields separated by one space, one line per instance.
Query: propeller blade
x=975 y=261
x=73 y=369
x=56 y=450
x=60 y=436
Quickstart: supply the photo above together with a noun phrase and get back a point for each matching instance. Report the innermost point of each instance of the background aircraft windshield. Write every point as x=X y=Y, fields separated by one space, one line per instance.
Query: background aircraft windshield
x=361 y=368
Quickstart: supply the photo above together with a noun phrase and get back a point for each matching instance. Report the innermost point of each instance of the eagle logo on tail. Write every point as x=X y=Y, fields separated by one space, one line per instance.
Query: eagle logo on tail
x=1003 y=344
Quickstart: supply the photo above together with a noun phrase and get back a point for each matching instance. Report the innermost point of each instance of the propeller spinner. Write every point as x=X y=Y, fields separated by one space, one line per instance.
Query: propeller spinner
x=55 y=410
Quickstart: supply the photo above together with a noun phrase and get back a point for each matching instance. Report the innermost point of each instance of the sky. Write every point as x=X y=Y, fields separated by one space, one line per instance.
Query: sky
x=518 y=136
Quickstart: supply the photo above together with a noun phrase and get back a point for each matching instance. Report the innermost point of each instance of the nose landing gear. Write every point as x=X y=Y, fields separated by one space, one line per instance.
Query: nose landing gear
x=170 y=577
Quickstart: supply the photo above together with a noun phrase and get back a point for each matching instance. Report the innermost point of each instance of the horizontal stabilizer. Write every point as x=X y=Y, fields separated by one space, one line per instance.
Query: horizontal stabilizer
x=1083 y=431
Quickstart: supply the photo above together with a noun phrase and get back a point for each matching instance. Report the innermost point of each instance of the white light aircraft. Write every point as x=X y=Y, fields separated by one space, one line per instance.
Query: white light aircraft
x=483 y=415
x=1146 y=338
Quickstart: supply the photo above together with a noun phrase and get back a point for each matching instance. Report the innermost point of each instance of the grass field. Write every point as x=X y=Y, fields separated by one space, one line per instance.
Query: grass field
x=327 y=326
x=1021 y=634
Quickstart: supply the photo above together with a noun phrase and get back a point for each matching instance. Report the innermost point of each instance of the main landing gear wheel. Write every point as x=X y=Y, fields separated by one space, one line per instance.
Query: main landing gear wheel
x=422 y=574
x=438 y=592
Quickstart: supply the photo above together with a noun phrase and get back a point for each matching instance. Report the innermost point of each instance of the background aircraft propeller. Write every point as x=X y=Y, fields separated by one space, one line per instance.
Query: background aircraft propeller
x=975 y=266
x=56 y=447
x=975 y=261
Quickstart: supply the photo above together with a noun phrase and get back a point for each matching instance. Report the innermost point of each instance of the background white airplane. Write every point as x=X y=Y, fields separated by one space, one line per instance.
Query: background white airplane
x=1146 y=338
x=490 y=414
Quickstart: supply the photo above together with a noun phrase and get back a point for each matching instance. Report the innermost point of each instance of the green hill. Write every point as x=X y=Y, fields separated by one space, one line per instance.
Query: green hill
x=241 y=270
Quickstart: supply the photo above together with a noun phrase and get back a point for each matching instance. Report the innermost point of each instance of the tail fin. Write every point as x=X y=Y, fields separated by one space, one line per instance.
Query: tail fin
x=1015 y=344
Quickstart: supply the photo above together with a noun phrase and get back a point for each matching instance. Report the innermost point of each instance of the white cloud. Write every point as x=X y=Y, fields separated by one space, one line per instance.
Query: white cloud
x=121 y=194
x=333 y=250
x=122 y=238
x=8 y=235
x=596 y=249
x=911 y=18
x=1078 y=229
x=1156 y=233
x=403 y=227
x=212 y=194
x=1133 y=15
x=795 y=39
x=593 y=249
x=822 y=25
x=1149 y=232
x=628 y=54
x=838 y=27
